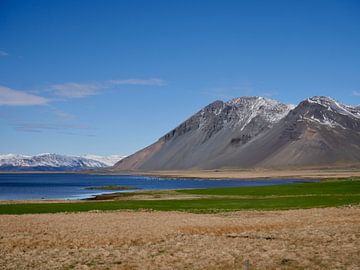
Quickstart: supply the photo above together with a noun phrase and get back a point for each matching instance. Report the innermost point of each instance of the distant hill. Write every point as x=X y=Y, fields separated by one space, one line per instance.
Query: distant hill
x=251 y=132
x=54 y=162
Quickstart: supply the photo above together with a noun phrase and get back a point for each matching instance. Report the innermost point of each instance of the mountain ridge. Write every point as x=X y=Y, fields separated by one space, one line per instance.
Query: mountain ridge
x=53 y=162
x=250 y=132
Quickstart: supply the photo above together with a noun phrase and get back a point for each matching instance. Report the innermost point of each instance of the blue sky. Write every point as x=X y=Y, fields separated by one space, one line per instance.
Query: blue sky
x=110 y=77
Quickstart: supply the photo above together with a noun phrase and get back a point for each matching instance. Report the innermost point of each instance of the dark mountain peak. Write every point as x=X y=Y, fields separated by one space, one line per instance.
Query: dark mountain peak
x=243 y=100
x=322 y=100
x=214 y=105
x=248 y=100
x=333 y=105
x=327 y=112
x=259 y=104
x=239 y=113
x=196 y=121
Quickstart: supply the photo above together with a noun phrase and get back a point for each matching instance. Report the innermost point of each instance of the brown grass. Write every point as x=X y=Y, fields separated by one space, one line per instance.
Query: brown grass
x=291 y=173
x=298 y=239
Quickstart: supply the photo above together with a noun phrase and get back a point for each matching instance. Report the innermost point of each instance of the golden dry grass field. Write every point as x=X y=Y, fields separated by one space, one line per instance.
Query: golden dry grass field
x=323 y=238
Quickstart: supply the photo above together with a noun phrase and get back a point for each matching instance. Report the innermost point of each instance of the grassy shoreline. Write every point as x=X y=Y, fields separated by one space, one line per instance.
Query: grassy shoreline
x=277 y=197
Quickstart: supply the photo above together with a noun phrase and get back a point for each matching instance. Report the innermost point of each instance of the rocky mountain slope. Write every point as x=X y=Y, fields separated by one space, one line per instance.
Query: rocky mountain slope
x=256 y=132
x=52 y=162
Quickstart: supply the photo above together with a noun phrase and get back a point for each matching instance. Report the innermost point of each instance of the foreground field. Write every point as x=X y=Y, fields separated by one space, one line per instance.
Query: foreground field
x=322 y=238
x=214 y=237
x=303 y=195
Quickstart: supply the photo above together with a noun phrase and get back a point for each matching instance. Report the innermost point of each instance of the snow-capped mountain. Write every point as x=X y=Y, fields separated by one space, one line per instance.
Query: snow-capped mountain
x=257 y=132
x=331 y=113
x=246 y=114
x=108 y=160
x=206 y=135
x=52 y=162
x=320 y=131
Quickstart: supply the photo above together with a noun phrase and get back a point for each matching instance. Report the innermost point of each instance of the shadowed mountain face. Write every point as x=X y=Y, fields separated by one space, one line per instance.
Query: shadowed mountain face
x=256 y=132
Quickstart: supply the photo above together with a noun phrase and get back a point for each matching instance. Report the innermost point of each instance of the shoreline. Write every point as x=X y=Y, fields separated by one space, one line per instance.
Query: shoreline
x=108 y=195
x=255 y=174
x=290 y=173
x=251 y=174
x=116 y=195
x=227 y=174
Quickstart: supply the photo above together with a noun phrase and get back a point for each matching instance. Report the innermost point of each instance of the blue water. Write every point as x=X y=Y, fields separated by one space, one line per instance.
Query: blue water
x=73 y=186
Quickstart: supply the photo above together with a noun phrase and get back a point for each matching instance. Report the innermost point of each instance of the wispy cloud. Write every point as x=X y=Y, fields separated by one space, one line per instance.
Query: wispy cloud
x=12 y=97
x=63 y=115
x=76 y=90
x=157 y=82
x=356 y=93
x=3 y=54
x=67 y=129
x=79 y=90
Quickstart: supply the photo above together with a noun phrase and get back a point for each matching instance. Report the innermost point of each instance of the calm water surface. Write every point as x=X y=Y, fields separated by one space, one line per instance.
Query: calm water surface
x=73 y=186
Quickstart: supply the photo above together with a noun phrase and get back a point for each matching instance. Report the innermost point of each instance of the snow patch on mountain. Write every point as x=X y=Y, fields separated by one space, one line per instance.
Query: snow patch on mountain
x=326 y=122
x=108 y=160
x=247 y=115
x=328 y=112
x=247 y=108
x=335 y=106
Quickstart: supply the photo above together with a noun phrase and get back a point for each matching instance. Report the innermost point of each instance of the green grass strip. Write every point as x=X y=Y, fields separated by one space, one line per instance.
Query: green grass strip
x=292 y=196
x=307 y=188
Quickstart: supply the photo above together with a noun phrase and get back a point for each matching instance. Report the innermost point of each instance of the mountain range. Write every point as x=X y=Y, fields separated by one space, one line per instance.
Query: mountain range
x=256 y=132
x=55 y=162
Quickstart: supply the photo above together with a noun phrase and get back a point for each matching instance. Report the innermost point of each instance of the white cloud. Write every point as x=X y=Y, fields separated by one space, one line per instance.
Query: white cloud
x=2 y=53
x=76 y=90
x=13 y=97
x=79 y=90
x=356 y=93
